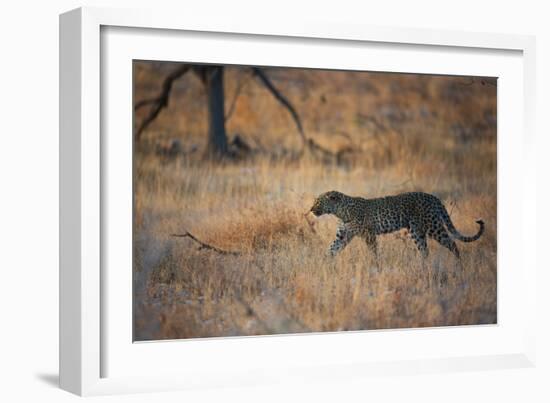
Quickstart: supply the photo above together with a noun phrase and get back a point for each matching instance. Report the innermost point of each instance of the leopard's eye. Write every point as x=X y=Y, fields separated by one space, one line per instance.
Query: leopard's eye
x=332 y=197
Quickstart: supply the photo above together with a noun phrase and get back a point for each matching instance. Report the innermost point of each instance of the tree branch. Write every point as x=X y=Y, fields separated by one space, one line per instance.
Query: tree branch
x=269 y=85
x=204 y=245
x=161 y=101
x=145 y=102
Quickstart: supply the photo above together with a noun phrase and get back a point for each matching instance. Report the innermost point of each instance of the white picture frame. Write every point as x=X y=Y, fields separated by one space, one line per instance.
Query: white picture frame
x=93 y=326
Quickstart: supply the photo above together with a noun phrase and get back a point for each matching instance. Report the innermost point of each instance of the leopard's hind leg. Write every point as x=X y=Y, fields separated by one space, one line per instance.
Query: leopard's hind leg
x=418 y=235
x=441 y=235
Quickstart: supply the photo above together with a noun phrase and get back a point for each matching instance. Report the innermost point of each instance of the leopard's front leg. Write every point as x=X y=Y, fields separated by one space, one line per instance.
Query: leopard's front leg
x=370 y=238
x=343 y=236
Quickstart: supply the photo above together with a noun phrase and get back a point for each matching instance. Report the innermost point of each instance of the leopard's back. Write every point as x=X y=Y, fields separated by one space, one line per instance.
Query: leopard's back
x=392 y=213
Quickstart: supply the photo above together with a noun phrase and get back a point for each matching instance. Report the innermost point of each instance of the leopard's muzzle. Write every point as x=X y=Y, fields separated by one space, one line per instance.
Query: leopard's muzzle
x=316 y=211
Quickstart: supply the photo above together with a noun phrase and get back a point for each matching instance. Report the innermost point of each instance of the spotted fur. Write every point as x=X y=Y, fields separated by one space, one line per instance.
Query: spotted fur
x=422 y=214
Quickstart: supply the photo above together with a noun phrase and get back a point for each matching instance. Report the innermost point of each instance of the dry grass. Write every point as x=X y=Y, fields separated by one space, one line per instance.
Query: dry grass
x=434 y=134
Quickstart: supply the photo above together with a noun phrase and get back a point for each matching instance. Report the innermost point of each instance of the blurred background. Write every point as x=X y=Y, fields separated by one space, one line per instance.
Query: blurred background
x=235 y=156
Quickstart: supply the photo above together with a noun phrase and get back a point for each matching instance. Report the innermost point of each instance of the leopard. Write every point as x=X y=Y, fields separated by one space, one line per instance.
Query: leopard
x=422 y=214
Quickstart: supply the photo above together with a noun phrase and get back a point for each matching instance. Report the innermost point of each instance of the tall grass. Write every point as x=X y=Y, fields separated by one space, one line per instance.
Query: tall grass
x=408 y=132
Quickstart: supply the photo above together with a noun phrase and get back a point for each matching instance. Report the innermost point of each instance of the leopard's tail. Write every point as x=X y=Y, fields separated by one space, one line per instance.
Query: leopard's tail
x=454 y=231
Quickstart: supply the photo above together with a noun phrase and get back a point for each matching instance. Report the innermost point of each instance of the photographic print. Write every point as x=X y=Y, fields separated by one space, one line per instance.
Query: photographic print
x=277 y=200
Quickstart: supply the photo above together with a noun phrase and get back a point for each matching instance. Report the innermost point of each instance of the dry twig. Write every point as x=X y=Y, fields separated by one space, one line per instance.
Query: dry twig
x=204 y=245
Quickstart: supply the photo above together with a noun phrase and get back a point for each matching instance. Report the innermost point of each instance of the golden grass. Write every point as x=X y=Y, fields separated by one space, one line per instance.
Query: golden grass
x=282 y=282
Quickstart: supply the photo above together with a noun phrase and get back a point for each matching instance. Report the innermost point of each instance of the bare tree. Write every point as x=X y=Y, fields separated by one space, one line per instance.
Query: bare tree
x=212 y=78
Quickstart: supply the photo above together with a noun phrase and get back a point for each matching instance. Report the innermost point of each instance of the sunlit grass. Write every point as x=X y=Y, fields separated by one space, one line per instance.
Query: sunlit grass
x=282 y=281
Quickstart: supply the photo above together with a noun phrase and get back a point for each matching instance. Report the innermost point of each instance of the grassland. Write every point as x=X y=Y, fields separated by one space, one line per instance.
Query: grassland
x=401 y=133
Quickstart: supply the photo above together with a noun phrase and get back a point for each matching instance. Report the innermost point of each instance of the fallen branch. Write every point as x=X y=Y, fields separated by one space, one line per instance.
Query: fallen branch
x=204 y=245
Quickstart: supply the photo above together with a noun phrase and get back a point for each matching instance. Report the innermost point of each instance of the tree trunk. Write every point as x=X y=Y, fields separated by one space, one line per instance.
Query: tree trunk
x=217 y=138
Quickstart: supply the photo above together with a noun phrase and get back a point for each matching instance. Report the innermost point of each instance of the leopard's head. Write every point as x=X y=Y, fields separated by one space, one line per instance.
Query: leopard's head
x=328 y=203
